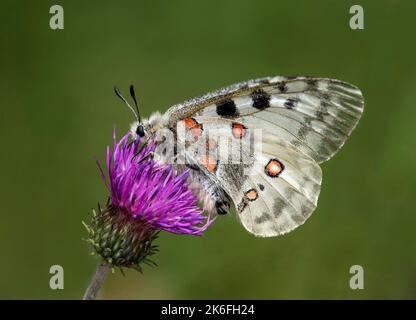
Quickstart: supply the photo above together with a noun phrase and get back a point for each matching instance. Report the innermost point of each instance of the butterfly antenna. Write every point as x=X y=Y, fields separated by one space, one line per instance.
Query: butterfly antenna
x=118 y=94
x=133 y=95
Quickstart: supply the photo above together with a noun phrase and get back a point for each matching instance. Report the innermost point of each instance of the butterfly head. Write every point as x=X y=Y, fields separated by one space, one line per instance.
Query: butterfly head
x=138 y=129
x=144 y=129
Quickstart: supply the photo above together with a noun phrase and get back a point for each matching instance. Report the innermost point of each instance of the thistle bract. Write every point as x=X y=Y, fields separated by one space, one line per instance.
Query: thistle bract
x=145 y=198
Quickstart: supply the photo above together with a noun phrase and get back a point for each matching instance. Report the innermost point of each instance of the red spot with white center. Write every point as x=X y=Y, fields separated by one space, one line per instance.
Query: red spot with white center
x=274 y=168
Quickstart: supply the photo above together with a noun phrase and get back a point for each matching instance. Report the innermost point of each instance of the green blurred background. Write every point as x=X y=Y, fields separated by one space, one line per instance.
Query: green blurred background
x=58 y=111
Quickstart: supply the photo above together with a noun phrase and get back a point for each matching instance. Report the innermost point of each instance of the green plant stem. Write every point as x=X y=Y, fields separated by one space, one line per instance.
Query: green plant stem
x=96 y=282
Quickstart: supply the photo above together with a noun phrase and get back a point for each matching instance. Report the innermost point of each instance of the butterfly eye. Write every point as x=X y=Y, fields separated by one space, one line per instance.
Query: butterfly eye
x=140 y=131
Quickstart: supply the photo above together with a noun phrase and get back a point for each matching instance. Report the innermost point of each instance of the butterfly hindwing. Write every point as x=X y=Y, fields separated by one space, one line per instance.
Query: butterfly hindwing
x=281 y=192
x=273 y=189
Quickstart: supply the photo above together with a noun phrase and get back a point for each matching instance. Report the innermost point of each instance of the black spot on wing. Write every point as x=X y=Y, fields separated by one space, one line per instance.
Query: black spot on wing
x=227 y=108
x=261 y=99
x=322 y=110
x=290 y=103
x=261 y=187
x=312 y=84
x=193 y=166
x=282 y=87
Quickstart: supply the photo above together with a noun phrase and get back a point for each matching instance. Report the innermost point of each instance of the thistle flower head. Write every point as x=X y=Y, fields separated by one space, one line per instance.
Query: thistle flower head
x=145 y=197
x=150 y=192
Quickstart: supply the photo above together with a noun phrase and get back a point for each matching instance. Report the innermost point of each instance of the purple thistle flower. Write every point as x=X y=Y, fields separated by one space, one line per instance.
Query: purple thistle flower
x=145 y=197
x=149 y=192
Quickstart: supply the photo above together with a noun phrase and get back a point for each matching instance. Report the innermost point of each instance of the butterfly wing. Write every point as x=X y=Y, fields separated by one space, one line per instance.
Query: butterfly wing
x=304 y=121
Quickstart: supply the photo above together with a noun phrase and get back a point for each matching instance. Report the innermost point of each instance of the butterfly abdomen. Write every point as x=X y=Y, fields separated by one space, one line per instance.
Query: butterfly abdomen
x=213 y=197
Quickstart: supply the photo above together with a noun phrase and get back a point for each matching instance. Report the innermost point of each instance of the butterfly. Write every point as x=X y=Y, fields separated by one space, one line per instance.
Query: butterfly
x=273 y=185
